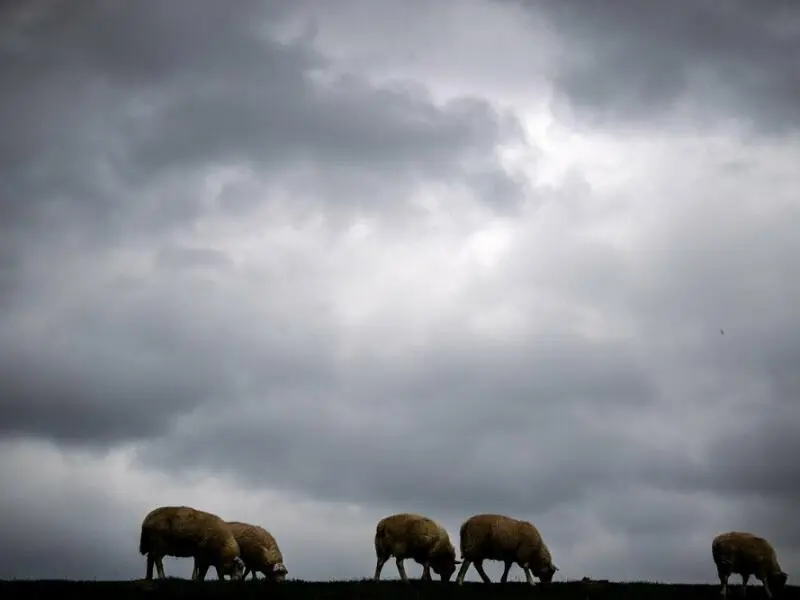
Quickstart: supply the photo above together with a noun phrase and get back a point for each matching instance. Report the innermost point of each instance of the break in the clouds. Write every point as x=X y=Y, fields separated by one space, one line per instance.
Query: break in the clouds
x=306 y=268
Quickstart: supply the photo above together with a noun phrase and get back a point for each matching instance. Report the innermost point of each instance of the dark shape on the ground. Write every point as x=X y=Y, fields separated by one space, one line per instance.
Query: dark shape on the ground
x=360 y=590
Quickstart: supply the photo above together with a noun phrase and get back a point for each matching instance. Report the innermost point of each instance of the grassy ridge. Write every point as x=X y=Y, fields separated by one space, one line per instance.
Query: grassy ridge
x=366 y=590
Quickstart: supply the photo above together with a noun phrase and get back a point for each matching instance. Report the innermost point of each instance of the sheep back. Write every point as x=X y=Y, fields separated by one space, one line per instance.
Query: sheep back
x=259 y=550
x=408 y=535
x=183 y=531
x=747 y=554
x=498 y=537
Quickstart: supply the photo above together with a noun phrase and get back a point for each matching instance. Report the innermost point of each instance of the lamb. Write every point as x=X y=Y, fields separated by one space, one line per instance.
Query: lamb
x=259 y=551
x=747 y=554
x=183 y=531
x=407 y=535
x=498 y=537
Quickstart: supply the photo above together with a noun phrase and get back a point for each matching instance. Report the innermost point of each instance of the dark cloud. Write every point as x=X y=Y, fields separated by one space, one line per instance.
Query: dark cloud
x=467 y=430
x=761 y=458
x=179 y=257
x=95 y=110
x=107 y=131
x=82 y=371
x=701 y=282
x=69 y=542
x=645 y=521
x=708 y=61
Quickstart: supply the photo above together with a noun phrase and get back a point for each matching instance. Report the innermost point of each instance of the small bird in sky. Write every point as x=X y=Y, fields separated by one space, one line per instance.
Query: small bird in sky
x=721 y=332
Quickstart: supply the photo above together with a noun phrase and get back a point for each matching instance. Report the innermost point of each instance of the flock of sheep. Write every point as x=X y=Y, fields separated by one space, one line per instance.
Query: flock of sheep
x=237 y=549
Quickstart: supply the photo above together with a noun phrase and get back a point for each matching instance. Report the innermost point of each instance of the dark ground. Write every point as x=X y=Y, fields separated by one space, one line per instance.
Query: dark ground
x=367 y=590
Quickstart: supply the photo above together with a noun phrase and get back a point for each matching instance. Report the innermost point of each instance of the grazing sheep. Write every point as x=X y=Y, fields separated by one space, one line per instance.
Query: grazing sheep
x=747 y=554
x=182 y=531
x=497 y=537
x=408 y=535
x=259 y=551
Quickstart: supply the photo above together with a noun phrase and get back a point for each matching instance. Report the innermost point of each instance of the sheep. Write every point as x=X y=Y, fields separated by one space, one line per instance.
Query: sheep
x=746 y=554
x=407 y=535
x=498 y=537
x=183 y=531
x=259 y=551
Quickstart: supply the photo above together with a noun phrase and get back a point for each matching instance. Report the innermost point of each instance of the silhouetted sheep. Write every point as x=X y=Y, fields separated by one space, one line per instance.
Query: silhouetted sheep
x=497 y=537
x=746 y=554
x=182 y=531
x=408 y=535
x=259 y=551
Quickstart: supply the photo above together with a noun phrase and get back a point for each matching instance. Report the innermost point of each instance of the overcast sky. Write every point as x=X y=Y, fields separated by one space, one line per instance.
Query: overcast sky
x=310 y=263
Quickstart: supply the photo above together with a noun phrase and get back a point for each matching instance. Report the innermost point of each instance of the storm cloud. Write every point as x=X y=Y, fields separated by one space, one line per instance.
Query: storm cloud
x=679 y=62
x=306 y=268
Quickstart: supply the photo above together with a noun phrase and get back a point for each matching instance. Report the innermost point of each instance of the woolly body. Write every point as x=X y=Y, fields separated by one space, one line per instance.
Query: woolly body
x=184 y=532
x=498 y=537
x=259 y=551
x=408 y=535
x=747 y=554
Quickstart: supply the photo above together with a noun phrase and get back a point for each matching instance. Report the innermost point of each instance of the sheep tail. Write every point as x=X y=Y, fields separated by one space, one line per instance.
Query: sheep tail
x=143 y=545
x=380 y=534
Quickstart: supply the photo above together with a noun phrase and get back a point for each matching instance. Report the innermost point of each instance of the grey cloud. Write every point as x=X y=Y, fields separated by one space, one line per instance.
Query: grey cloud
x=285 y=119
x=186 y=257
x=97 y=112
x=634 y=64
x=106 y=134
x=757 y=462
x=686 y=284
x=492 y=430
x=480 y=426
x=80 y=388
x=179 y=42
x=127 y=366
x=657 y=529
x=77 y=538
x=763 y=458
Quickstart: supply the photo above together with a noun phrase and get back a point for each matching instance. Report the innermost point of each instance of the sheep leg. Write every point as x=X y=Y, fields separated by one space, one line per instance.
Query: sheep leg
x=507 y=568
x=379 y=567
x=220 y=573
x=401 y=569
x=201 y=572
x=150 y=564
x=528 y=574
x=462 y=572
x=723 y=582
x=745 y=579
x=426 y=571
x=481 y=572
x=160 y=568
